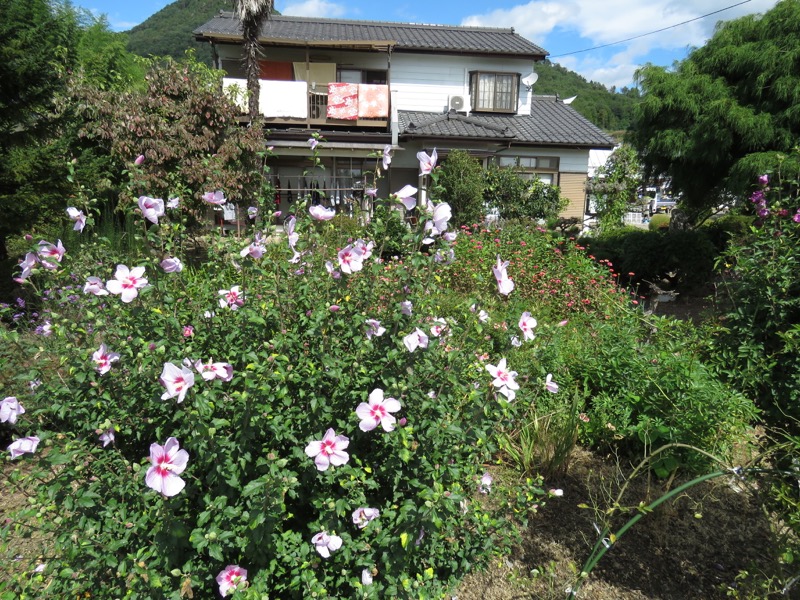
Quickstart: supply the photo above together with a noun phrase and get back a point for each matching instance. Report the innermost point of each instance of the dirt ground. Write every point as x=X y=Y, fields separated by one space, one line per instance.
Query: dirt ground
x=691 y=548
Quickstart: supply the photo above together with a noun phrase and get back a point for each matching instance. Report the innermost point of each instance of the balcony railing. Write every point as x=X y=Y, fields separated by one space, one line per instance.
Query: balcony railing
x=301 y=103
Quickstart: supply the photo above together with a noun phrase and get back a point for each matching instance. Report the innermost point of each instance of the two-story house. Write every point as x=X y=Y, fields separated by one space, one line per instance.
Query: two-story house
x=363 y=85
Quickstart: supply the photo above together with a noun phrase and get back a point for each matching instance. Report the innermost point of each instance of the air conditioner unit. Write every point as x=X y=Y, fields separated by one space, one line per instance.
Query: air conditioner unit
x=456 y=103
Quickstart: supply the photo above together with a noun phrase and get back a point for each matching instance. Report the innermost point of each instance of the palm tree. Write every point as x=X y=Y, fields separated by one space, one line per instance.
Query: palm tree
x=251 y=14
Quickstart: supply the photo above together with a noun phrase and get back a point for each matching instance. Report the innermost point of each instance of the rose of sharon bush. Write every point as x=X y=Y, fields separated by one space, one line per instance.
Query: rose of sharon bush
x=231 y=578
x=280 y=466
x=377 y=412
x=127 y=282
x=329 y=450
x=168 y=462
x=10 y=409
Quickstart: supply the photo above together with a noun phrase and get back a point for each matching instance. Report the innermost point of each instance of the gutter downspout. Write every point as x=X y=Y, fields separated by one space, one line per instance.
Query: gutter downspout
x=394 y=120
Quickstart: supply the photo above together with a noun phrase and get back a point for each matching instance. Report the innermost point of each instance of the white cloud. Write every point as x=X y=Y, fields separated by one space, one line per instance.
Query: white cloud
x=314 y=8
x=532 y=20
x=122 y=25
x=592 y=23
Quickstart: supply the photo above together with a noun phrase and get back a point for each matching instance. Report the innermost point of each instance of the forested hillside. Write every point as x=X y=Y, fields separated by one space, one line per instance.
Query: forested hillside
x=169 y=33
x=610 y=109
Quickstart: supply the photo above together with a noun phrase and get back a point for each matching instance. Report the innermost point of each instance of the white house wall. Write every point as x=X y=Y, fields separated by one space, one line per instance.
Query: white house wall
x=425 y=82
x=422 y=82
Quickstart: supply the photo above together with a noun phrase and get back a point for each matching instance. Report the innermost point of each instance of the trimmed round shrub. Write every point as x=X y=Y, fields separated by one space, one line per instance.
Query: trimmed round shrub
x=658 y=222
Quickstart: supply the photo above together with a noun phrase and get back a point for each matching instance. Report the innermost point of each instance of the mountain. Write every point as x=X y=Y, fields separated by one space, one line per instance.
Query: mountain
x=169 y=33
x=611 y=110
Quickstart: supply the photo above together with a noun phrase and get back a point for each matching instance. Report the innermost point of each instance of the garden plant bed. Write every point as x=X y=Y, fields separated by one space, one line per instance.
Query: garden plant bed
x=691 y=548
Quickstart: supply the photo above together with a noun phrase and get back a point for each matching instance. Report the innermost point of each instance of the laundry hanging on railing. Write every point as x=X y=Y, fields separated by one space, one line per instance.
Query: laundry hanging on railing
x=343 y=101
x=373 y=101
x=287 y=99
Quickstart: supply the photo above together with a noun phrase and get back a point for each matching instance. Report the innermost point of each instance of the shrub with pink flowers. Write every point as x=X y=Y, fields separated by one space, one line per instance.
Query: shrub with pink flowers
x=756 y=345
x=554 y=273
x=220 y=429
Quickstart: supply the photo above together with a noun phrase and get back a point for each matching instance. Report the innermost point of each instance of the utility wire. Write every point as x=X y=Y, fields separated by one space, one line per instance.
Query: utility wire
x=636 y=37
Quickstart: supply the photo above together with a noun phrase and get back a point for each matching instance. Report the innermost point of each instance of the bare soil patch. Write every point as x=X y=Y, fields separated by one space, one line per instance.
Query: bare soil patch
x=691 y=548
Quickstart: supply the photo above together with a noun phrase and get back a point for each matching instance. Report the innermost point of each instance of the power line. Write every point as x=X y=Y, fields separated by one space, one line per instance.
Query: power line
x=636 y=37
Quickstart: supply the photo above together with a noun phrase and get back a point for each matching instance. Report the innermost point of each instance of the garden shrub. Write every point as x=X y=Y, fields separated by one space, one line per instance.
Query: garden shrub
x=756 y=346
x=614 y=187
x=504 y=190
x=517 y=198
x=186 y=131
x=658 y=222
x=553 y=274
x=681 y=260
x=288 y=352
x=720 y=231
x=668 y=394
x=389 y=231
x=640 y=382
x=461 y=185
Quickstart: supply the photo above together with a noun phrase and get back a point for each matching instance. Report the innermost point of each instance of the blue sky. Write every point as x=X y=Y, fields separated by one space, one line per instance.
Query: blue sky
x=559 y=26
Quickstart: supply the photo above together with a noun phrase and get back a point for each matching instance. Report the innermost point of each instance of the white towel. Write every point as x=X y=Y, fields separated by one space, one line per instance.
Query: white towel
x=236 y=89
x=283 y=99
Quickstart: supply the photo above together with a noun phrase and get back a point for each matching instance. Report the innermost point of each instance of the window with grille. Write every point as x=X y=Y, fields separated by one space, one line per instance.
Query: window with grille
x=495 y=92
x=544 y=168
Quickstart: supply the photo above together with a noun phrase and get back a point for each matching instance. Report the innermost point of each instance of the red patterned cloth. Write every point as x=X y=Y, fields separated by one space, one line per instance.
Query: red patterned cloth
x=373 y=101
x=343 y=101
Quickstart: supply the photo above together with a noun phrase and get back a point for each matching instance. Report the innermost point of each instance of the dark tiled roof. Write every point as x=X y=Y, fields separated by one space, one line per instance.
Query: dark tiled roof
x=451 y=124
x=550 y=123
x=406 y=36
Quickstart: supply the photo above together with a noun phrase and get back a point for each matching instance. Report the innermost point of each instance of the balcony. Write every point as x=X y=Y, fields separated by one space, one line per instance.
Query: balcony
x=305 y=104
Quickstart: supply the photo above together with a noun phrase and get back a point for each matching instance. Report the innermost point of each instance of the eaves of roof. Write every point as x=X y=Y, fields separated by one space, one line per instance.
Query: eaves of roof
x=409 y=37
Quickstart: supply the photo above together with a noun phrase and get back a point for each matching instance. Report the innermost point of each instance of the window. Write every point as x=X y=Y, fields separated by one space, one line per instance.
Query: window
x=494 y=92
x=544 y=168
x=362 y=76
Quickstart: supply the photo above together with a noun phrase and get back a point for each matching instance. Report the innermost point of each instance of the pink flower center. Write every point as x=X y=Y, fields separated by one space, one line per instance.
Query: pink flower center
x=328 y=447
x=377 y=411
x=164 y=465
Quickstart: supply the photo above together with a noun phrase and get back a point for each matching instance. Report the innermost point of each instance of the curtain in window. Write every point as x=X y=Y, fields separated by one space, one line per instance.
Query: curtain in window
x=486 y=90
x=504 y=92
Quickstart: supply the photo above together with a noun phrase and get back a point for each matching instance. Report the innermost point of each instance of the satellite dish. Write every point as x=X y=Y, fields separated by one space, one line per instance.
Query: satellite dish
x=529 y=80
x=569 y=100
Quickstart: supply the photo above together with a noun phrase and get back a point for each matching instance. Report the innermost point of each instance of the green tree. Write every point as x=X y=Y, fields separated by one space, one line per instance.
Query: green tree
x=183 y=125
x=252 y=13
x=104 y=60
x=725 y=113
x=610 y=109
x=614 y=187
x=518 y=198
x=461 y=181
x=37 y=52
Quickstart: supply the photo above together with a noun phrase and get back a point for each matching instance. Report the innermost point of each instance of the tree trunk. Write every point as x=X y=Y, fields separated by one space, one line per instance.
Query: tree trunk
x=252 y=52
